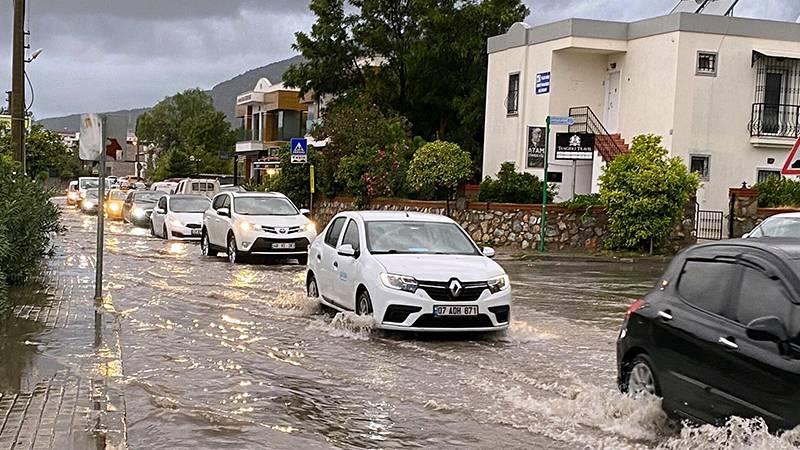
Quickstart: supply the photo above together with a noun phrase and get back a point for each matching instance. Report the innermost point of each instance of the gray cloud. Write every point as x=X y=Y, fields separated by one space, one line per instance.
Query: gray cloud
x=113 y=54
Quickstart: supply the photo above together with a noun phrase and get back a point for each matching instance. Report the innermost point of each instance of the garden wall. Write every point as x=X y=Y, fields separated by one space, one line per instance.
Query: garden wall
x=512 y=225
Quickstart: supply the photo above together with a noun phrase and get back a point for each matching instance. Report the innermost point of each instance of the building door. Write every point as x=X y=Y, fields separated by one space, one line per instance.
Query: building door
x=612 y=103
x=773 y=92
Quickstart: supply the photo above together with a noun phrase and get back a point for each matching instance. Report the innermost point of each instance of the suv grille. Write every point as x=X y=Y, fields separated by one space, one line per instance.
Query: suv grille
x=440 y=290
x=274 y=230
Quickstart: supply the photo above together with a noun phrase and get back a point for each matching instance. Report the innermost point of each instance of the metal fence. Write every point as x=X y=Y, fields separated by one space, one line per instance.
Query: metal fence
x=708 y=225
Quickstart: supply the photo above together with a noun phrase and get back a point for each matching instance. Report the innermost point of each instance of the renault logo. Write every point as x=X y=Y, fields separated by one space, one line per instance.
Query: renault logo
x=455 y=288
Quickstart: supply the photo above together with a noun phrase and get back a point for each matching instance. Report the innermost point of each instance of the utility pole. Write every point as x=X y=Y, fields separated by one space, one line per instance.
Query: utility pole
x=18 y=84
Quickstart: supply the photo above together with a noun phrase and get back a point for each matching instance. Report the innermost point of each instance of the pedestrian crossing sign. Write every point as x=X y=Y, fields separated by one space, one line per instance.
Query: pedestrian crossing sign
x=299 y=149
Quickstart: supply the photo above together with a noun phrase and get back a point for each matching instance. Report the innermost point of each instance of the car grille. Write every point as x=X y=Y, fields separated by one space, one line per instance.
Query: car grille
x=194 y=226
x=399 y=313
x=265 y=245
x=431 y=321
x=440 y=290
x=270 y=229
x=501 y=312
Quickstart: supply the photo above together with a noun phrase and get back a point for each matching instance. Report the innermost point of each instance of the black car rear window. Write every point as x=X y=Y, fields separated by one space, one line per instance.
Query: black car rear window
x=706 y=284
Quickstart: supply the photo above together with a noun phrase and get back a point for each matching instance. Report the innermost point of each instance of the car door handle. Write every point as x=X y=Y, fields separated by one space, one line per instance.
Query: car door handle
x=728 y=342
x=666 y=315
x=319 y=257
x=335 y=265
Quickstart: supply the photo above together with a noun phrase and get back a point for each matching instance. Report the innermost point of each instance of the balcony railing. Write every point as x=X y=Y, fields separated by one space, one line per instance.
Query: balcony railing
x=775 y=120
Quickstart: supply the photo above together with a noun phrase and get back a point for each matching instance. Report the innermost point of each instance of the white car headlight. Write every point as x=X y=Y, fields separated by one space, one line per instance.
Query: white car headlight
x=88 y=204
x=138 y=213
x=399 y=282
x=498 y=284
x=310 y=227
x=246 y=226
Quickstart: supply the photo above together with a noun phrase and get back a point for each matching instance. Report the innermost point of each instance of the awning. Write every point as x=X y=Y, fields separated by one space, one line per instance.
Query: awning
x=784 y=54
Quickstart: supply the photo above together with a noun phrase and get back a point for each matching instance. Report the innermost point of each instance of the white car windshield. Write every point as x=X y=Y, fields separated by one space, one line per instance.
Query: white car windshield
x=779 y=227
x=89 y=183
x=147 y=197
x=264 y=206
x=118 y=195
x=388 y=237
x=91 y=193
x=189 y=204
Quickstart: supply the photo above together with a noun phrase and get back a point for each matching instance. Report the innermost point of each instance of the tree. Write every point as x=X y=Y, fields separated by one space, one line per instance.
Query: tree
x=186 y=125
x=645 y=192
x=44 y=151
x=514 y=187
x=422 y=59
x=440 y=167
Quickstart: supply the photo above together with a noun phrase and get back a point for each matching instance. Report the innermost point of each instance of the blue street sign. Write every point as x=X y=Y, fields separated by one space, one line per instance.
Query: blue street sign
x=542 y=83
x=562 y=120
x=299 y=146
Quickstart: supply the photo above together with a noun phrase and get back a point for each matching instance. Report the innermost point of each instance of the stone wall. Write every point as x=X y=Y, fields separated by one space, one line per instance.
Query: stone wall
x=512 y=225
x=746 y=213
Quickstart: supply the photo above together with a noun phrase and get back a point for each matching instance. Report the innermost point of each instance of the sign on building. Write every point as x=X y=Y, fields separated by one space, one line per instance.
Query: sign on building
x=299 y=151
x=536 y=147
x=575 y=146
x=542 y=83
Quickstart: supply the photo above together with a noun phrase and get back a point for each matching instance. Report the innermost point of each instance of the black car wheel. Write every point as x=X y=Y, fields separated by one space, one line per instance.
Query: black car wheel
x=364 y=304
x=205 y=244
x=152 y=230
x=640 y=378
x=233 y=252
x=312 y=288
x=164 y=232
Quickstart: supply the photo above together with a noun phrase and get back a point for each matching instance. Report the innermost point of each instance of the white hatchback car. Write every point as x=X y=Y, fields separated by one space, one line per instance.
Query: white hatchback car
x=786 y=225
x=418 y=272
x=256 y=223
x=179 y=216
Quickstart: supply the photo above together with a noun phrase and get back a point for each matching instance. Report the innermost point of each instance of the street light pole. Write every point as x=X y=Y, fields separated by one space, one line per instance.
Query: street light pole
x=18 y=84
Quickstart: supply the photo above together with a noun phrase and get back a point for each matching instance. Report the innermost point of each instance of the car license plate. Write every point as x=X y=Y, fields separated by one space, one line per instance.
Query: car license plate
x=196 y=232
x=283 y=246
x=451 y=310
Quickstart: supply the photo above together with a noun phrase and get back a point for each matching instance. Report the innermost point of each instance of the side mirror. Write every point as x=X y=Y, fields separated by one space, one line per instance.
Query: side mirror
x=770 y=329
x=224 y=212
x=305 y=212
x=159 y=211
x=489 y=252
x=347 y=250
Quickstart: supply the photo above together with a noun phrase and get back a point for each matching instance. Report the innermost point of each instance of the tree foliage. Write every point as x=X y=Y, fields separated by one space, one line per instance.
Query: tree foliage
x=645 y=192
x=45 y=151
x=422 y=59
x=778 y=192
x=183 y=126
x=514 y=187
x=26 y=216
x=439 y=167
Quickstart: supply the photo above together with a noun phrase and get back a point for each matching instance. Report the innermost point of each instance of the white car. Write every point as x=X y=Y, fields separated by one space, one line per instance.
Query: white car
x=207 y=187
x=164 y=186
x=256 y=223
x=786 y=225
x=179 y=216
x=411 y=271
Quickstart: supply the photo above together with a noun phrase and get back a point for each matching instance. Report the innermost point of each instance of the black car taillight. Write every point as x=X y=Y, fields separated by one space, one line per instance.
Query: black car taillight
x=635 y=306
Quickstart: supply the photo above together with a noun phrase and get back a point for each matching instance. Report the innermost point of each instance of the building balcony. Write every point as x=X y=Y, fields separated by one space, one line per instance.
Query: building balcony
x=774 y=126
x=250 y=146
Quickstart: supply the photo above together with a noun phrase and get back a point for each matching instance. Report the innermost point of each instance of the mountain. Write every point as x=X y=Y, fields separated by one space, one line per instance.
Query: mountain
x=224 y=96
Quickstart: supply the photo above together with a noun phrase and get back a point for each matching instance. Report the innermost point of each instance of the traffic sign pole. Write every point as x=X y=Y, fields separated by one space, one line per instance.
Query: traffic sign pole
x=543 y=224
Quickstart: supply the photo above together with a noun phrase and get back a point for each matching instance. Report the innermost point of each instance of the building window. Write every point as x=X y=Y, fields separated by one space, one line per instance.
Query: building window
x=699 y=165
x=766 y=174
x=512 y=101
x=707 y=63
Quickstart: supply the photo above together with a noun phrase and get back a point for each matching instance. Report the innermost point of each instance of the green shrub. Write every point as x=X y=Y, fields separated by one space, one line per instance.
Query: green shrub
x=26 y=217
x=438 y=168
x=776 y=192
x=645 y=192
x=583 y=201
x=514 y=187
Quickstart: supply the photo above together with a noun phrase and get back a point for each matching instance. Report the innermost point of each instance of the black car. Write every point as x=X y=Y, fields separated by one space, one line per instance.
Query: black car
x=719 y=336
x=138 y=207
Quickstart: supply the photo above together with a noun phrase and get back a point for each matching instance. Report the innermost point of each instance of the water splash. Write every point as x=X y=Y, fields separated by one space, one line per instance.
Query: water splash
x=736 y=434
x=345 y=324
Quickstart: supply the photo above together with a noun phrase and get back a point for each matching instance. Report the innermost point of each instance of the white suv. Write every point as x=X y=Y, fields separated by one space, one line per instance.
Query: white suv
x=410 y=271
x=253 y=223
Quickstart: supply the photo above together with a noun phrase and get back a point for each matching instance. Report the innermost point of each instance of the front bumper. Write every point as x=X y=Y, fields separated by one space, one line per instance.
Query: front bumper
x=404 y=311
x=263 y=243
x=185 y=231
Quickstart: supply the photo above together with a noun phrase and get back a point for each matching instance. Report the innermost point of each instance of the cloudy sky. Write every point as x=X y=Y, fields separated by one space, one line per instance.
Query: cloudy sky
x=113 y=54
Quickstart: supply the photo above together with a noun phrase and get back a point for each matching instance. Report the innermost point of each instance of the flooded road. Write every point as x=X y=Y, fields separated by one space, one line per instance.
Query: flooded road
x=221 y=356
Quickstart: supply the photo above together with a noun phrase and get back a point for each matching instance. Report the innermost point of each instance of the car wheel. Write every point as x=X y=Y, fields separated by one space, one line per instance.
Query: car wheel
x=165 y=233
x=641 y=378
x=205 y=244
x=233 y=252
x=303 y=260
x=312 y=288
x=364 y=304
x=152 y=230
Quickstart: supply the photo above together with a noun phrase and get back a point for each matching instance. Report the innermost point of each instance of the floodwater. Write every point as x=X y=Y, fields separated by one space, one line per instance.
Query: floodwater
x=231 y=357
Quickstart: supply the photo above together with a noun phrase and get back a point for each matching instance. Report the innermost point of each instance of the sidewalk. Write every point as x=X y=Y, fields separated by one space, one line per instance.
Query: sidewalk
x=59 y=376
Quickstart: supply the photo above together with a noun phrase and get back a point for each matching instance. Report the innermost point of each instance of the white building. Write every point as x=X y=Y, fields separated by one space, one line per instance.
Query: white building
x=724 y=93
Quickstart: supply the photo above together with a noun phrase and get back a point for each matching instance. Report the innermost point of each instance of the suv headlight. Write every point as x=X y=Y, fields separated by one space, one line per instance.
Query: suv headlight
x=246 y=226
x=138 y=212
x=498 y=284
x=399 y=282
x=310 y=227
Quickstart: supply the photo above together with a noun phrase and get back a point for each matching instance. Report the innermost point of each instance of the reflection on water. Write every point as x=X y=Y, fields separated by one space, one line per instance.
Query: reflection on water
x=19 y=339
